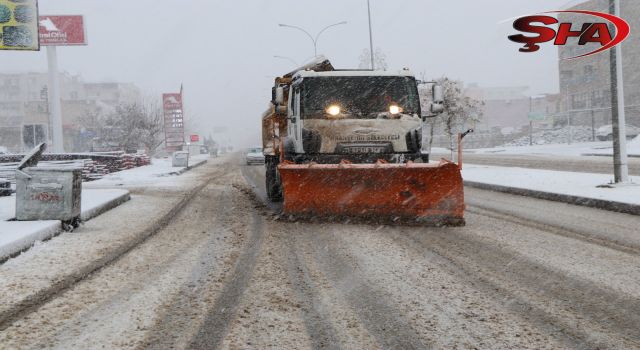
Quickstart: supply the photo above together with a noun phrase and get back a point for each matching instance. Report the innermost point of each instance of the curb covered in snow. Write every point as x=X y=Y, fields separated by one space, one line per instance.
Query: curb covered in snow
x=20 y=235
x=557 y=197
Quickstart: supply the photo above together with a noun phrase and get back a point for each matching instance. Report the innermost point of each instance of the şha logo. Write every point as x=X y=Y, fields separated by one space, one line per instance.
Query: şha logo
x=590 y=32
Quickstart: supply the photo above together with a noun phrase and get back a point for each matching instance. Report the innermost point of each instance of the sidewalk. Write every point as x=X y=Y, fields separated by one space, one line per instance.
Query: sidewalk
x=593 y=190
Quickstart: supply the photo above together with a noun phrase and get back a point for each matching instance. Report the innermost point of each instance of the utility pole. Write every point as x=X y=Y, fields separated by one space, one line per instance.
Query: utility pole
x=530 y=121
x=373 y=66
x=620 y=162
x=593 y=124
x=55 y=109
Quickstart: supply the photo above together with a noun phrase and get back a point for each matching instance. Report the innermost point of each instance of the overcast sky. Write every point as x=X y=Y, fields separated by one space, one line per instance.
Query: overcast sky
x=223 y=50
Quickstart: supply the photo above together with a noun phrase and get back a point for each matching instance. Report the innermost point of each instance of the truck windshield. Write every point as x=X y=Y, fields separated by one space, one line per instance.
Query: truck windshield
x=358 y=97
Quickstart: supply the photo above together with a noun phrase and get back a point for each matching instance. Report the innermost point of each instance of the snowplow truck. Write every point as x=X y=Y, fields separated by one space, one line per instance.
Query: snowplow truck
x=348 y=143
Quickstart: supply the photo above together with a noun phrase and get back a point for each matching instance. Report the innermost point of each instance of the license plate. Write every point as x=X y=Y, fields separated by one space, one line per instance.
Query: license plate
x=359 y=150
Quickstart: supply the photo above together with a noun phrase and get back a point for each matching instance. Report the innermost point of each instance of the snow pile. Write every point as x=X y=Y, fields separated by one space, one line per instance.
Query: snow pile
x=560 y=135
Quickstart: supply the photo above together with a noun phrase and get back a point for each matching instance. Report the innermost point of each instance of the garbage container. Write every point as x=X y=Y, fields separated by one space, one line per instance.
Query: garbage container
x=180 y=159
x=49 y=194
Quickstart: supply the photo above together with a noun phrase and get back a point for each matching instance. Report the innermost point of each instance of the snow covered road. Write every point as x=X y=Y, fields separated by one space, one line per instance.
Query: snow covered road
x=523 y=273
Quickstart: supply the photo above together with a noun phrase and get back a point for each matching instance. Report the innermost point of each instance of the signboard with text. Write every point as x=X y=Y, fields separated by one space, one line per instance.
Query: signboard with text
x=195 y=138
x=19 y=25
x=62 y=31
x=173 y=121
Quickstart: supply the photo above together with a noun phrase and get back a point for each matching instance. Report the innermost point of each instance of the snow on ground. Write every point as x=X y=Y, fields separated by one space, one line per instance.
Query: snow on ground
x=159 y=173
x=561 y=182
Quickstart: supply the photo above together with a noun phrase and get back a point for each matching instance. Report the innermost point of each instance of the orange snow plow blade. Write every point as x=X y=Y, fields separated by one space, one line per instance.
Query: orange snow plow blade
x=429 y=193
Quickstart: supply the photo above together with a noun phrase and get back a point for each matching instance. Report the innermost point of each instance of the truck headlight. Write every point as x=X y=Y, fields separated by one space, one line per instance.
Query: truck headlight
x=333 y=110
x=393 y=109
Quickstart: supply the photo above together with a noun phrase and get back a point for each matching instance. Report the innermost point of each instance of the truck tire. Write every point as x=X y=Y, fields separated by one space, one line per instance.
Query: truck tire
x=272 y=180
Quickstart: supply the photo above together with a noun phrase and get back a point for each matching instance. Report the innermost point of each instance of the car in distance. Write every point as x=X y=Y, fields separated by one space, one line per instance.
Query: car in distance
x=605 y=133
x=254 y=156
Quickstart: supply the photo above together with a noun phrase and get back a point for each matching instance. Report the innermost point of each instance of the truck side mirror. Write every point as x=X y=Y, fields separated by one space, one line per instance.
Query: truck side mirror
x=279 y=98
x=437 y=106
x=438 y=94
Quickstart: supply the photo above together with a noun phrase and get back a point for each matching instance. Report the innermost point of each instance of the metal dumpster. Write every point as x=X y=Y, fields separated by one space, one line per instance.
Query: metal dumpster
x=47 y=193
x=180 y=159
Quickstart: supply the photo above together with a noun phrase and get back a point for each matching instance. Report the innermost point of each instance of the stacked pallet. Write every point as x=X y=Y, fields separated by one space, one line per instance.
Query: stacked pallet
x=94 y=165
x=128 y=162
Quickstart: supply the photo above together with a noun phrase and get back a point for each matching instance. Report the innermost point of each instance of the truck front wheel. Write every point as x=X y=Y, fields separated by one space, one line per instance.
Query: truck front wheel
x=272 y=180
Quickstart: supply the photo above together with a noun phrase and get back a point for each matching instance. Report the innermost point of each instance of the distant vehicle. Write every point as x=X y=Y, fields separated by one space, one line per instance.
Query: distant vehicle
x=255 y=156
x=204 y=149
x=605 y=133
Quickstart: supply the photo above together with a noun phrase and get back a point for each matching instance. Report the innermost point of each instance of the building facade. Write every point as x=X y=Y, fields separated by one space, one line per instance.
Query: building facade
x=24 y=108
x=585 y=85
x=504 y=107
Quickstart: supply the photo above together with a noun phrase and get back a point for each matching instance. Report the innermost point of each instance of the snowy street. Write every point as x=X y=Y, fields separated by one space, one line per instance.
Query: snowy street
x=319 y=175
x=523 y=273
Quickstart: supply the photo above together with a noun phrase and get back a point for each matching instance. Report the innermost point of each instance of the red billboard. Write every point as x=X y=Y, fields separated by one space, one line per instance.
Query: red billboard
x=195 y=138
x=62 y=30
x=173 y=121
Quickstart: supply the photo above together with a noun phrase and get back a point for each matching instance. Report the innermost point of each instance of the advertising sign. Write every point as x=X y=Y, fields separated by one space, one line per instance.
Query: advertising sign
x=195 y=138
x=173 y=122
x=19 y=25
x=62 y=31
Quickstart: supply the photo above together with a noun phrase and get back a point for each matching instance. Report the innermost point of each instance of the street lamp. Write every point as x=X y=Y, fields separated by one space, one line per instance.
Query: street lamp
x=313 y=40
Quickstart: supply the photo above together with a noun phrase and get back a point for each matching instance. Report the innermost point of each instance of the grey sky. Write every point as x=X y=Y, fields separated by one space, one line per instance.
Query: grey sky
x=223 y=50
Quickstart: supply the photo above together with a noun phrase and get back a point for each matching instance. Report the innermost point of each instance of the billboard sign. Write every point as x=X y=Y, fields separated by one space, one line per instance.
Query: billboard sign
x=173 y=122
x=19 y=25
x=195 y=138
x=62 y=31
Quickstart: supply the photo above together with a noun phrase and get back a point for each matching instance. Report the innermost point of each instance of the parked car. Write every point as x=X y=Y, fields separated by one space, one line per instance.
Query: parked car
x=254 y=156
x=605 y=133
